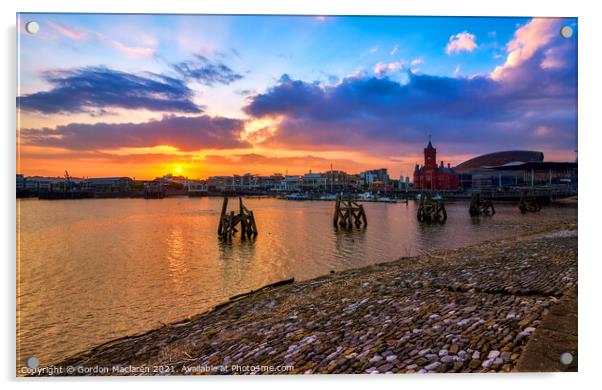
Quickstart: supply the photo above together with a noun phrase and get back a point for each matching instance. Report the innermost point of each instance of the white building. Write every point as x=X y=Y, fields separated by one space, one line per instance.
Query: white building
x=290 y=184
x=314 y=181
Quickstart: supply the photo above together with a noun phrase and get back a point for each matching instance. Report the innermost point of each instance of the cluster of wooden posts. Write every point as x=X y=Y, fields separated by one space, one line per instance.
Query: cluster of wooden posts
x=228 y=222
x=528 y=203
x=480 y=206
x=431 y=209
x=348 y=212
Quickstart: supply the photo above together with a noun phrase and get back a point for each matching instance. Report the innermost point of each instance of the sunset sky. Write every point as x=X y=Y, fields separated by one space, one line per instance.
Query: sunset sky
x=146 y=95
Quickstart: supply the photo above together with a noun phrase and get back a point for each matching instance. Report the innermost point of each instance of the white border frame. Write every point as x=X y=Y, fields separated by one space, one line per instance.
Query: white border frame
x=590 y=67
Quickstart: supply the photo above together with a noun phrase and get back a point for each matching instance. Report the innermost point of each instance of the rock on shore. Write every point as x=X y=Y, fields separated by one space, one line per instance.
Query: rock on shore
x=468 y=310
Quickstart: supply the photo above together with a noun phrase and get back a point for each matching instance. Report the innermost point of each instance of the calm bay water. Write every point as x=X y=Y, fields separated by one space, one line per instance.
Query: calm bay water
x=92 y=270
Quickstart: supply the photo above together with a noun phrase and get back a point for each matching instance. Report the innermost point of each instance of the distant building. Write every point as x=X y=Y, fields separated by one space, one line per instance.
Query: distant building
x=354 y=181
x=431 y=176
x=515 y=168
x=375 y=175
x=109 y=184
x=197 y=187
x=527 y=174
x=219 y=183
x=499 y=158
x=314 y=181
x=404 y=183
x=290 y=184
x=336 y=180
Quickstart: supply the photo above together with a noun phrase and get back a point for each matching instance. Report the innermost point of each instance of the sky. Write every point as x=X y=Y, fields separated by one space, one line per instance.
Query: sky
x=203 y=95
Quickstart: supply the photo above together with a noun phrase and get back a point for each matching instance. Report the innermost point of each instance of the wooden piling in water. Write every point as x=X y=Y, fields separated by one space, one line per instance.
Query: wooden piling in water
x=480 y=207
x=348 y=213
x=229 y=221
x=430 y=209
x=528 y=203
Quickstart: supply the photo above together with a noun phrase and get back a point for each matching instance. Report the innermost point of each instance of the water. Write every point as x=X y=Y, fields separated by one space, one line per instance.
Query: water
x=92 y=270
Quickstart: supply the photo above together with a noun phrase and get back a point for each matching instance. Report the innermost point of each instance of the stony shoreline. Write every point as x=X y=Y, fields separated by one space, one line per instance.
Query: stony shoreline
x=472 y=309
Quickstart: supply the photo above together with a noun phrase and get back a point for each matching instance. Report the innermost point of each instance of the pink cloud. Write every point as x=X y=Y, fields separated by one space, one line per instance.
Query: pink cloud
x=382 y=68
x=130 y=51
x=68 y=32
x=81 y=35
x=463 y=41
x=527 y=40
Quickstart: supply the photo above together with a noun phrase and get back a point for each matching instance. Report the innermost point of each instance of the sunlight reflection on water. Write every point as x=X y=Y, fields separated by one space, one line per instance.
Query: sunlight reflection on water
x=95 y=269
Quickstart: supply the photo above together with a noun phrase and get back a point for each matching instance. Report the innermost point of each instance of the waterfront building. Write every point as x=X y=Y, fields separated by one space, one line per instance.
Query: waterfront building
x=247 y=181
x=290 y=184
x=404 y=183
x=375 y=175
x=354 y=181
x=109 y=184
x=219 y=183
x=515 y=168
x=20 y=182
x=528 y=174
x=499 y=158
x=37 y=184
x=336 y=181
x=431 y=176
x=314 y=181
x=271 y=182
x=197 y=187
x=474 y=172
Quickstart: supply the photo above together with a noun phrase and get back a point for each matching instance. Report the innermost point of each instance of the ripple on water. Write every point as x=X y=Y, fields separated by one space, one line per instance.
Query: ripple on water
x=95 y=269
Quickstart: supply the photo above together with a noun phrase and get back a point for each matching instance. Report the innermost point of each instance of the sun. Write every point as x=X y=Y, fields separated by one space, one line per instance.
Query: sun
x=178 y=169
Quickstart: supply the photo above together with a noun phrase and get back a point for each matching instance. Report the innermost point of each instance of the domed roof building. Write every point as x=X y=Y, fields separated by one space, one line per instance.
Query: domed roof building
x=499 y=158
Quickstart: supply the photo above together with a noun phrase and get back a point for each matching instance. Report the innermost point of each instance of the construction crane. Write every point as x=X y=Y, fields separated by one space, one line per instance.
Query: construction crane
x=67 y=181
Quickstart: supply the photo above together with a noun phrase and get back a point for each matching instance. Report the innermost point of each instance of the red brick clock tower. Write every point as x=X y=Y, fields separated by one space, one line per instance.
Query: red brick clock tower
x=431 y=176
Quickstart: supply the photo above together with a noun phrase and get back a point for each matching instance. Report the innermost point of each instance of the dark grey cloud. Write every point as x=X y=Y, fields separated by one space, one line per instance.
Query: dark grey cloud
x=184 y=133
x=206 y=71
x=93 y=89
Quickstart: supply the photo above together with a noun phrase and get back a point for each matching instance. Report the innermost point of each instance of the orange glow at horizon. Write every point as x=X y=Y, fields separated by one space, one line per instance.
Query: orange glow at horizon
x=151 y=162
x=36 y=161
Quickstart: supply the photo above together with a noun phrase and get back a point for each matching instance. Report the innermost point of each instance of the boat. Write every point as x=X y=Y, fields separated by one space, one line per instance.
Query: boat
x=366 y=197
x=297 y=196
x=328 y=197
x=434 y=197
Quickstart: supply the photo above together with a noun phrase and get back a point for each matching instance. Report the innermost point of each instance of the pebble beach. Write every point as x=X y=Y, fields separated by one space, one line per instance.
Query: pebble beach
x=472 y=309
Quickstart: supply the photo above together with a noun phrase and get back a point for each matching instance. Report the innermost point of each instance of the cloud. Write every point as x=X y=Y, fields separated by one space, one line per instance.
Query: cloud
x=207 y=72
x=394 y=50
x=70 y=33
x=463 y=41
x=83 y=35
x=183 y=133
x=130 y=51
x=382 y=69
x=90 y=89
x=416 y=61
x=466 y=114
x=527 y=42
x=374 y=49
